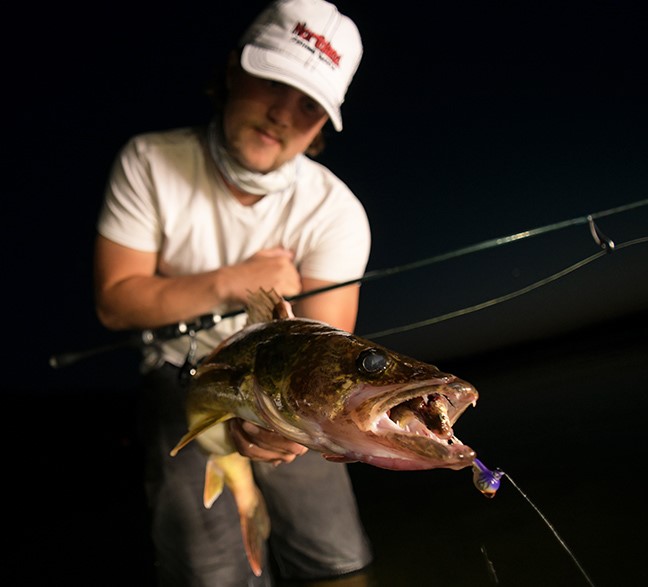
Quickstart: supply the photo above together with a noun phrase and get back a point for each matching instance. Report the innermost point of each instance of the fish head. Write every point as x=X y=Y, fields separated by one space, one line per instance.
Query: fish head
x=359 y=401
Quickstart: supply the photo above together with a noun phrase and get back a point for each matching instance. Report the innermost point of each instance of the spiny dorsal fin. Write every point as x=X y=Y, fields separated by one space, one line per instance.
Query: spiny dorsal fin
x=265 y=306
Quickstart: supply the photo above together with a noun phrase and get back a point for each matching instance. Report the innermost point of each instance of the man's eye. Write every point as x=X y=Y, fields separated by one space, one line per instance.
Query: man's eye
x=313 y=108
x=275 y=84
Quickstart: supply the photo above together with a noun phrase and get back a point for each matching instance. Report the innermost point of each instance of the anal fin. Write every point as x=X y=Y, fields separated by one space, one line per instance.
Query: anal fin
x=214 y=482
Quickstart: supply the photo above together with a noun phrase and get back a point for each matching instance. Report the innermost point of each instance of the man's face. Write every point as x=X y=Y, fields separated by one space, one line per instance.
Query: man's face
x=267 y=123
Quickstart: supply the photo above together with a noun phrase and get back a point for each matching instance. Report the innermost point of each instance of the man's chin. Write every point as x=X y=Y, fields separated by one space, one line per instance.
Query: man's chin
x=257 y=164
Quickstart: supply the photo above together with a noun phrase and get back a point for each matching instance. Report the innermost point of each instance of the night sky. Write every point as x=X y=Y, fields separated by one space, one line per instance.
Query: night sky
x=466 y=122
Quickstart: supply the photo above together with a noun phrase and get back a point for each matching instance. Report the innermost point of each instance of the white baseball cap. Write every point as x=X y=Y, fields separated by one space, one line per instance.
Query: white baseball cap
x=306 y=44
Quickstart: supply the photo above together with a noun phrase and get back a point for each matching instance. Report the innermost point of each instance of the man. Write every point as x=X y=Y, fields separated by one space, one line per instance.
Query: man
x=195 y=218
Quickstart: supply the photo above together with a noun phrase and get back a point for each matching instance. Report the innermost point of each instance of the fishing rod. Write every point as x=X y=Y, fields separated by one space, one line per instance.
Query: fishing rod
x=152 y=336
x=505 y=297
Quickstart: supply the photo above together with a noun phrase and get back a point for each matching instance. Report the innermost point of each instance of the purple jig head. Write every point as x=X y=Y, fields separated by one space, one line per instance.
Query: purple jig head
x=485 y=480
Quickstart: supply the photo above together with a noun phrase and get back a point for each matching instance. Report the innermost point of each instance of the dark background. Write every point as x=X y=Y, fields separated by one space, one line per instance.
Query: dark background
x=467 y=121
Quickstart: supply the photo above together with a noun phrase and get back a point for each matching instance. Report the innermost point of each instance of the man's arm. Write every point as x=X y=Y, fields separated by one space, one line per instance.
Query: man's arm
x=130 y=295
x=337 y=307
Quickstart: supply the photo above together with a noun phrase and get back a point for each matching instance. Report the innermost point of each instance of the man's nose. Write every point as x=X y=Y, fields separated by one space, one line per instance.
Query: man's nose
x=284 y=105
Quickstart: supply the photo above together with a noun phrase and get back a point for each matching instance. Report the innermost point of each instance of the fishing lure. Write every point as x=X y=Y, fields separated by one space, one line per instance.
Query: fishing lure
x=485 y=480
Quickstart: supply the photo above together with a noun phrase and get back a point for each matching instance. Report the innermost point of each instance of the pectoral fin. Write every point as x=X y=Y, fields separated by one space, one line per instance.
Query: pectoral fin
x=198 y=428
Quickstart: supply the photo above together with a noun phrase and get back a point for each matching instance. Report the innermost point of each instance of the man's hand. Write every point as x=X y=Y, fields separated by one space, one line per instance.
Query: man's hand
x=260 y=444
x=269 y=269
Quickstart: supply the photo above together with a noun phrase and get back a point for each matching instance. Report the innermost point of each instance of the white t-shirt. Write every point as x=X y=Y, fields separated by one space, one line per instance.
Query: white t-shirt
x=165 y=195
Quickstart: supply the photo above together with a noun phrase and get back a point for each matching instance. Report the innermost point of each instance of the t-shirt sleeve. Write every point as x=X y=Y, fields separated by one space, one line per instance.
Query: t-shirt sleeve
x=341 y=243
x=129 y=214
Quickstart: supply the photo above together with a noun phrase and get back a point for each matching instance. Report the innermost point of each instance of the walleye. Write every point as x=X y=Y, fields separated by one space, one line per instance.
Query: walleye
x=344 y=396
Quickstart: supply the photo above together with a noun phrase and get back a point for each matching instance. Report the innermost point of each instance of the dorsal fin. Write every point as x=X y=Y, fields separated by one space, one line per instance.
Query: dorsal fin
x=265 y=306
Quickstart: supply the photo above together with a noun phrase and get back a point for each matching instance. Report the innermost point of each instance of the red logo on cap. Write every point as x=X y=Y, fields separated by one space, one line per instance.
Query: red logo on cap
x=321 y=43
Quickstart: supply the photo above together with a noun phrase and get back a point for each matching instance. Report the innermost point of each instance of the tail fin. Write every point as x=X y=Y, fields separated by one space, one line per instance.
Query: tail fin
x=236 y=471
x=255 y=528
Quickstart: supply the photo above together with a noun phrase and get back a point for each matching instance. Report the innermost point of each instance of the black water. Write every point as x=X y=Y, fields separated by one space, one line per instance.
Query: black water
x=563 y=417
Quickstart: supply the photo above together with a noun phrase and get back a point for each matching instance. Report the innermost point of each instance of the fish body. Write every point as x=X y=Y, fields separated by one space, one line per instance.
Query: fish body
x=344 y=396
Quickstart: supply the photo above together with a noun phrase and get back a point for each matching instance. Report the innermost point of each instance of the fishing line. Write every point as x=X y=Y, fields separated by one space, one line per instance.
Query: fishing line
x=553 y=530
x=503 y=298
x=487 y=481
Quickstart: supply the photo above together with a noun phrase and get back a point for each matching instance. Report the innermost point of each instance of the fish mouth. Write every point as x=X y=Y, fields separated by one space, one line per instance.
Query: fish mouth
x=419 y=418
x=423 y=409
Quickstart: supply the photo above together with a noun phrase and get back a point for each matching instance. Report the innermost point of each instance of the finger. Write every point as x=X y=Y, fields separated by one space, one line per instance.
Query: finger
x=270 y=441
x=257 y=453
x=278 y=445
x=275 y=252
x=247 y=447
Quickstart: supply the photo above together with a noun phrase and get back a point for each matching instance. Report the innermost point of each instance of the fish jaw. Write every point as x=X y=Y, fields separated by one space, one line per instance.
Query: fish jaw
x=405 y=427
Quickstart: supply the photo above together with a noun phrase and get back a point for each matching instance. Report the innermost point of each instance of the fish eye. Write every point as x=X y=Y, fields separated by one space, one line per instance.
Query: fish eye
x=372 y=361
